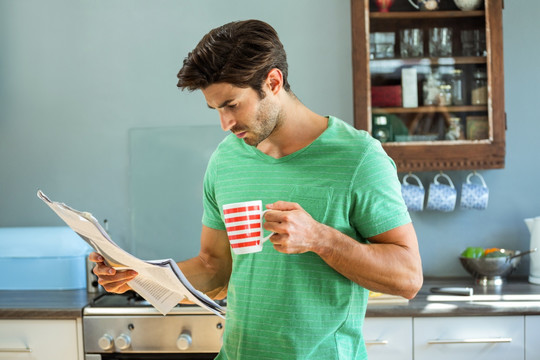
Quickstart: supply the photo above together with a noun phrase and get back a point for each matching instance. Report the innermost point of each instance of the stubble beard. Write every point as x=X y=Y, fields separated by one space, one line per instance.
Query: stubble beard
x=268 y=119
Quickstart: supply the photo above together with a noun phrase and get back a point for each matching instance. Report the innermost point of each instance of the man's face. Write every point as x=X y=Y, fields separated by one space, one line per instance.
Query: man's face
x=243 y=112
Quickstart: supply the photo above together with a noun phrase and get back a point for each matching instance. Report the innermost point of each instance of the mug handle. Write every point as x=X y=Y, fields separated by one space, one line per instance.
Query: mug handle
x=446 y=177
x=414 y=177
x=478 y=175
x=413 y=4
x=268 y=236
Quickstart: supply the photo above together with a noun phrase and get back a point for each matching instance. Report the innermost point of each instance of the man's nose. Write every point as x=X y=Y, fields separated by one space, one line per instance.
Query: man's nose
x=227 y=121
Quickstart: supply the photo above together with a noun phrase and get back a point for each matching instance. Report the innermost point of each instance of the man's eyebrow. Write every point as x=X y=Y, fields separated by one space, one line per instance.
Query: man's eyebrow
x=225 y=103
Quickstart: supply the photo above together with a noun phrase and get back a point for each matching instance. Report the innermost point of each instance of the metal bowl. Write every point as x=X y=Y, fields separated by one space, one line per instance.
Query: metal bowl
x=491 y=270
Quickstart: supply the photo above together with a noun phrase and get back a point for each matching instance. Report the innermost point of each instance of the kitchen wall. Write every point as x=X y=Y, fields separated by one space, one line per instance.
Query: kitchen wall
x=78 y=77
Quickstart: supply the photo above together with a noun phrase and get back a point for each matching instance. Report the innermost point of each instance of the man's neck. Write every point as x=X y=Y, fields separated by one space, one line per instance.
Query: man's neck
x=299 y=127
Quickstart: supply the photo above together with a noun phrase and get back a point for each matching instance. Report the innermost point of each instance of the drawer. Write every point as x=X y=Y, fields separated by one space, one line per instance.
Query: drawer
x=388 y=338
x=463 y=338
x=39 y=340
x=532 y=343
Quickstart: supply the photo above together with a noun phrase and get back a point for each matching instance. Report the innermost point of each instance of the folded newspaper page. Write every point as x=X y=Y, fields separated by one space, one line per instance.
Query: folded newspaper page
x=160 y=282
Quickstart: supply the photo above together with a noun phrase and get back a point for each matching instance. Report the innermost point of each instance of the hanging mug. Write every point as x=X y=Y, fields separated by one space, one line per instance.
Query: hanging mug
x=441 y=197
x=429 y=5
x=413 y=195
x=474 y=196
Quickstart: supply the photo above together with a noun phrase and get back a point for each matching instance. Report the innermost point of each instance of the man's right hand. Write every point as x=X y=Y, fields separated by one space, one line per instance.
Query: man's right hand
x=111 y=280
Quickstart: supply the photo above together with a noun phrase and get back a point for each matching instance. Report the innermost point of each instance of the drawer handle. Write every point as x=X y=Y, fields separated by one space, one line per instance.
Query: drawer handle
x=471 y=341
x=376 y=342
x=15 y=350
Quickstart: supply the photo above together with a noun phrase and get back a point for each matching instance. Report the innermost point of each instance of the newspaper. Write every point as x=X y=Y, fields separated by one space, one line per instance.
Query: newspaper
x=160 y=282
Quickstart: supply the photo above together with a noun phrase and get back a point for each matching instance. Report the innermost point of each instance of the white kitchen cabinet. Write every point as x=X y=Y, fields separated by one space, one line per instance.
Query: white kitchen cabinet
x=532 y=340
x=389 y=338
x=471 y=337
x=41 y=340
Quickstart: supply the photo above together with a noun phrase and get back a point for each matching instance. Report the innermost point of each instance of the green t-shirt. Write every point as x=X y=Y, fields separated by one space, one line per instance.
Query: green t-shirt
x=283 y=306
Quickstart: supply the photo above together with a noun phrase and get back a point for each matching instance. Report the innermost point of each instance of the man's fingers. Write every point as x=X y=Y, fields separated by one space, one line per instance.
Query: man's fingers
x=95 y=257
x=115 y=287
x=283 y=206
x=101 y=269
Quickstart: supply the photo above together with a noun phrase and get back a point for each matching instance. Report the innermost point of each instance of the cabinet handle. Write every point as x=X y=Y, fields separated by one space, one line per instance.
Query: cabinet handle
x=15 y=350
x=376 y=342
x=471 y=341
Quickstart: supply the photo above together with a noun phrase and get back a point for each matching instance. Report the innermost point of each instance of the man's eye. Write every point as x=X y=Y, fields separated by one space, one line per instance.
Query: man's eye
x=232 y=106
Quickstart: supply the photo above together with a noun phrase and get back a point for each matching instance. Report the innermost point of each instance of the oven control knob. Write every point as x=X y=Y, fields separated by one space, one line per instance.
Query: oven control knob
x=105 y=342
x=184 y=341
x=123 y=342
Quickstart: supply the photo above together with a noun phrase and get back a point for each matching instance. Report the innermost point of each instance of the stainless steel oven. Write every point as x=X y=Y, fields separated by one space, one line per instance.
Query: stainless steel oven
x=125 y=327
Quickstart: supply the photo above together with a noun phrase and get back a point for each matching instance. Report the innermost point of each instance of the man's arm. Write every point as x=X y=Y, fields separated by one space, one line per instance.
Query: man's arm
x=390 y=263
x=208 y=272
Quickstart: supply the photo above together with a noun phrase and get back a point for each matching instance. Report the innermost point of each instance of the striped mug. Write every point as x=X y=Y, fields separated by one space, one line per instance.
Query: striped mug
x=243 y=221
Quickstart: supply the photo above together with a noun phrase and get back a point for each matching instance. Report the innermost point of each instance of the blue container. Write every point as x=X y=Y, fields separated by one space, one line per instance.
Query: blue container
x=42 y=258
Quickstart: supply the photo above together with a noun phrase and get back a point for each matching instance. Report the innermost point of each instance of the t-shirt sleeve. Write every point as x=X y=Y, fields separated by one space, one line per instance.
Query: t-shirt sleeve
x=211 y=212
x=378 y=203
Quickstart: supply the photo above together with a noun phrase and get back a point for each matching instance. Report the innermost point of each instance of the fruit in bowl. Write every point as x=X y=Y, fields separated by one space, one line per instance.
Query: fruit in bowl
x=489 y=266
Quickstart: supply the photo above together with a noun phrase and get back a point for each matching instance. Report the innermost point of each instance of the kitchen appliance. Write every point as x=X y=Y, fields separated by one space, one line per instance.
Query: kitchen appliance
x=533 y=224
x=125 y=326
x=42 y=258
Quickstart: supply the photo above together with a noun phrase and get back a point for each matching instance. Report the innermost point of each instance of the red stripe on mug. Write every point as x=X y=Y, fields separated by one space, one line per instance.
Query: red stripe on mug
x=242 y=218
x=244 y=236
x=245 y=244
x=244 y=227
x=240 y=209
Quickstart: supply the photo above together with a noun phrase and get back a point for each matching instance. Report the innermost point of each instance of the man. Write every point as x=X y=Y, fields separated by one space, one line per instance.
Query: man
x=340 y=224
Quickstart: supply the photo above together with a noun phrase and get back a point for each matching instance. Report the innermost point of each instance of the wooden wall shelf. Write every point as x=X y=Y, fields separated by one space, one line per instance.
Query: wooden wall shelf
x=473 y=153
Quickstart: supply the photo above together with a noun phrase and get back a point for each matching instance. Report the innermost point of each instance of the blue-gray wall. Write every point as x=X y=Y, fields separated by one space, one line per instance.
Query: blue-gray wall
x=76 y=76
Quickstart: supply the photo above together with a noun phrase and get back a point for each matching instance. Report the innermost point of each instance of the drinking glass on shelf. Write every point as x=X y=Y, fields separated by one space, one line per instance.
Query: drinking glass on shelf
x=479 y=43
x=473 y=42
x=411 y=43
x=467 y=42
x=440 y=42
x=384 y=44
x=372 y=46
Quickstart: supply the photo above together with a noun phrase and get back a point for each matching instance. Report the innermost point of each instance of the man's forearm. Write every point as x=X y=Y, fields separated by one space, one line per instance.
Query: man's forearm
x=388 y=267
x=205 y=277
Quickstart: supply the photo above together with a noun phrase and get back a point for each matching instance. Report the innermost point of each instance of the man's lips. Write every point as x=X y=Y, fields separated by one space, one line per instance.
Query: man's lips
x=241 y=134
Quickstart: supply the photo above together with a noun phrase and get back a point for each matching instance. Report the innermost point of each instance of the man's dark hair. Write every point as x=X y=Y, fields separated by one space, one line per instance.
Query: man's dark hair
x=240 y=53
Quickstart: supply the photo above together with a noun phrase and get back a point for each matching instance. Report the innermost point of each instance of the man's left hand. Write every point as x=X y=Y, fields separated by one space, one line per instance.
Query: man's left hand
x=295 y=231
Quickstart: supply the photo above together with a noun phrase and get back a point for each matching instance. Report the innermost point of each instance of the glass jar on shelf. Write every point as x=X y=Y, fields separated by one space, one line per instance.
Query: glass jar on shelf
x=479 y=92
x=455 y=130
x=382 y=129
x=430 y=89
x=457 y=83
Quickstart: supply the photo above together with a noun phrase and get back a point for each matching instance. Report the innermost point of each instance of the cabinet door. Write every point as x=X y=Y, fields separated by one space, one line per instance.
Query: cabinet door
x=40 y=340
x=388 y=338
x=429 y=84
x=532 y=343
x=479 y=337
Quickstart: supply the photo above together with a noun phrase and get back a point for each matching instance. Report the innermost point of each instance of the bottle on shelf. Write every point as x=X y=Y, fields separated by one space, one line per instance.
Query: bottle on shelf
x=445 y=95
x=479 y=93
x=456 y=81
x=430 y=89
x=455 y=130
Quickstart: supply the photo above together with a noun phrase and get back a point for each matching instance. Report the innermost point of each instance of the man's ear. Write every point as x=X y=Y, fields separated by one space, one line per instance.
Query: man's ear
x=274 y=80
